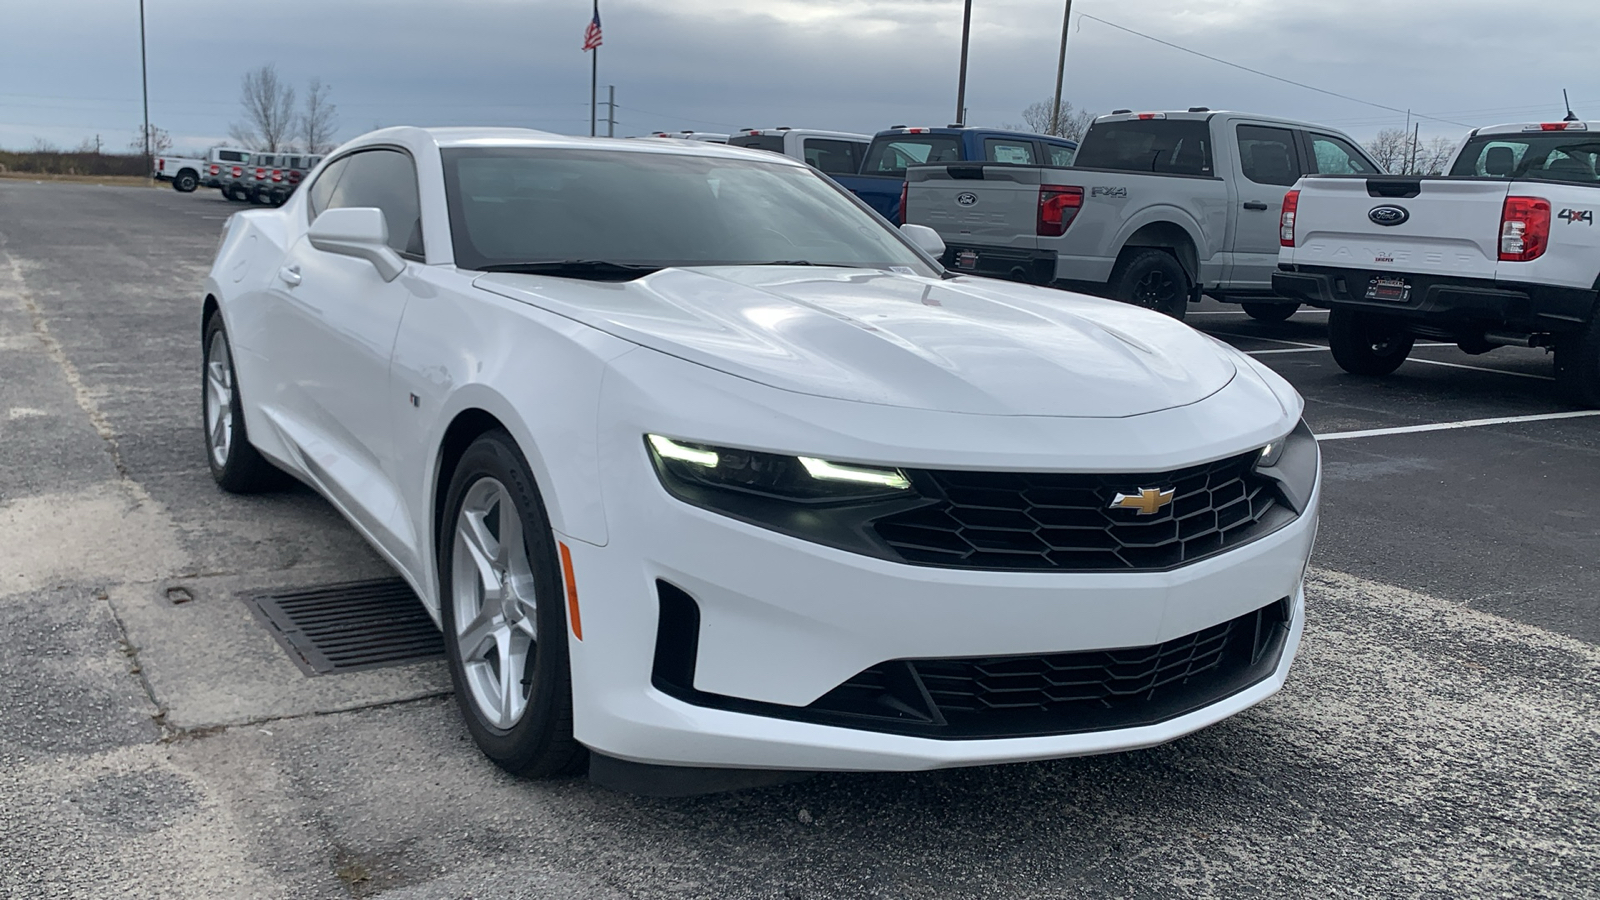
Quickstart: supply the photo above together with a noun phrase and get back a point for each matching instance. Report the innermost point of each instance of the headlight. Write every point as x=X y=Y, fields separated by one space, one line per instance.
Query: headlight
x=818 y=500
x=1293 y=462
x=802 y=479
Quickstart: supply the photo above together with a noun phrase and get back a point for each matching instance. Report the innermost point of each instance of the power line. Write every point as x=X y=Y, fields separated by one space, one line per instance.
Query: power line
x=675 y=116
x=1298 y=84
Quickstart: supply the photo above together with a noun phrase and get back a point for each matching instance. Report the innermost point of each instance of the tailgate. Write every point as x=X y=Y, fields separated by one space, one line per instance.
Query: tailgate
x=993 y=206
x=1422 y=225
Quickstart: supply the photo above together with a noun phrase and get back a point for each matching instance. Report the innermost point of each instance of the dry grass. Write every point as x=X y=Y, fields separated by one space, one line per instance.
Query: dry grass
x=124 y=180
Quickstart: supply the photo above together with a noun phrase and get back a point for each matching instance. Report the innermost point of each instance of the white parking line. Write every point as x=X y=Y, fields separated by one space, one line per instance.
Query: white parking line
x=1254 y=337
x=1450 y=426
x=1435 y=362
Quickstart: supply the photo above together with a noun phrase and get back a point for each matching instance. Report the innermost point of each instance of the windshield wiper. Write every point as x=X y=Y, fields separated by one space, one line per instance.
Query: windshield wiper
x=591 y=269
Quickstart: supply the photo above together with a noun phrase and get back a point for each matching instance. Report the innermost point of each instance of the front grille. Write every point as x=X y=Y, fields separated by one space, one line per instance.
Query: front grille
x=1010 y=520
x=1062 y=693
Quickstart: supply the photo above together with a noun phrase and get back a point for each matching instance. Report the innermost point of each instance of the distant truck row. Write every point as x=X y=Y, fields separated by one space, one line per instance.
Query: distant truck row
x=241 y=175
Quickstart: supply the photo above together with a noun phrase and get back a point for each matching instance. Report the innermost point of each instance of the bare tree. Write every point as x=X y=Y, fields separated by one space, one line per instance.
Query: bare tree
x=1400 y=152
x=268 y=105
x=1071 y=124
x=1390 y=149
x=318 y=119
x=160 y=141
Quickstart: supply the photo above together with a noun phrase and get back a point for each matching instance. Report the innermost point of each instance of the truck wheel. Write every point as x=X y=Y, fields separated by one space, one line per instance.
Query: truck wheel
x=1270 y=312
x=1578 y=365
x=233 y=192
x=186 y=182
x=1365 y=344
x=1154 y=280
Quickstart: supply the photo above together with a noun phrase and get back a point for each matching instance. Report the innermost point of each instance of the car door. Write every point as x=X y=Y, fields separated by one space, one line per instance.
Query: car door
x=1267 y=163
x=335 y=333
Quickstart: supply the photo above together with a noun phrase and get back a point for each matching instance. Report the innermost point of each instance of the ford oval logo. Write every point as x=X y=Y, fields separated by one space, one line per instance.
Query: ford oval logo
x=1388 y=215
x=966 y=198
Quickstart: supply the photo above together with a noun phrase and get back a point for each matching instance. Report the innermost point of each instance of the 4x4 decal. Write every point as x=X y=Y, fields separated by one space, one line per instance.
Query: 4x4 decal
x=1574 y=216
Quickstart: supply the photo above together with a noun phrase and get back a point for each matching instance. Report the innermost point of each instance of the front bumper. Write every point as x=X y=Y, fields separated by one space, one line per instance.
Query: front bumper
x=1465 y=304
x=783 y=621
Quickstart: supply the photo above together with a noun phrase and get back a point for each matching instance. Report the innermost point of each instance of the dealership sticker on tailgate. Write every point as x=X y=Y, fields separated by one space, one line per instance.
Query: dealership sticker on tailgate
x=1393 y=290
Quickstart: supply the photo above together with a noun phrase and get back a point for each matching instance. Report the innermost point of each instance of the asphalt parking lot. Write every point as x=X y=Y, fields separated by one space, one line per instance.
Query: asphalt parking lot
x=1439 y=735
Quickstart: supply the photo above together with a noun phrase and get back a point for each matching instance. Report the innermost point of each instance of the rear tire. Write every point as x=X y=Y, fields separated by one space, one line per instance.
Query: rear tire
x=504 y=613
x=1270 y=312
x=185 y=182
x=1578 y=365
x=1367 y=344
x=234 y=193
x=1154 y=280
x=235 y=464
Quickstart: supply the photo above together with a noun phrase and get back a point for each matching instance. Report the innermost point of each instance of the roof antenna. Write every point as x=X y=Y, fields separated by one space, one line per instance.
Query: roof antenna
x=1571 y=116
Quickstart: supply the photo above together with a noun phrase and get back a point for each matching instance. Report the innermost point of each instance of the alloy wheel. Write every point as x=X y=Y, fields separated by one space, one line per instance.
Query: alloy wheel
x=219 y=399
x=495 y=606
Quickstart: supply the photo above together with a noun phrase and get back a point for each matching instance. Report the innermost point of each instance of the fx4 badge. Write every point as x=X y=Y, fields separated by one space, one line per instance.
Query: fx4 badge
x=1148 y=501
x=1108 y=192
x=1574 y=216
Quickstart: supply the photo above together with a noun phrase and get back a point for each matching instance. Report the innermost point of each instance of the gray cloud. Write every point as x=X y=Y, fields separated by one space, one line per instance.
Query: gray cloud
x=72 y=70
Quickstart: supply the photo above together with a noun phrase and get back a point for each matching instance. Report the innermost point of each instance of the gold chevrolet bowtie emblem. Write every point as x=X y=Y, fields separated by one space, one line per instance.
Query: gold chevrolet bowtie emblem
x=1148 y=501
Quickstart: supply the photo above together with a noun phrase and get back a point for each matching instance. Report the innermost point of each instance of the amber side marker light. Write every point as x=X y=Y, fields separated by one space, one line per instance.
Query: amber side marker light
x=572 y=591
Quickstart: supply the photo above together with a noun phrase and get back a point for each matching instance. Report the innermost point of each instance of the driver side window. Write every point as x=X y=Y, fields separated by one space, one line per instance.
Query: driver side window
x=386 y=179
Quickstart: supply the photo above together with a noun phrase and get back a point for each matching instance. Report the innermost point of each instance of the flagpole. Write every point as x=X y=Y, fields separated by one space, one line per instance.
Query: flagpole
x=594 y=81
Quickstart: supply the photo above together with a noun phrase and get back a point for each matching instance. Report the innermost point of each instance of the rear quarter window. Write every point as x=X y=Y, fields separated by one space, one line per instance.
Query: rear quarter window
x=1170 y=146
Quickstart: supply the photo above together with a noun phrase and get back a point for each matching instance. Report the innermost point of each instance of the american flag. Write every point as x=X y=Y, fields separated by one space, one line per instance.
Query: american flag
x=591 y=35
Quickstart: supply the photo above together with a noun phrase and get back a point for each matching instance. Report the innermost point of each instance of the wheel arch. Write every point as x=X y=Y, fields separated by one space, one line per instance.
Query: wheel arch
x=467 y=426
x=1164 y=234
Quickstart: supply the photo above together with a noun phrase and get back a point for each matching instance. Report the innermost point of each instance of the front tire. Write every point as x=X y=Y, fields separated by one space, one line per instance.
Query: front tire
x=235 y=193
x=185 y=182
x=1270 y=312
x=235 y=464
x=1367 y=344
x=501 y=605
x=1578 y=365
x=1154 y=280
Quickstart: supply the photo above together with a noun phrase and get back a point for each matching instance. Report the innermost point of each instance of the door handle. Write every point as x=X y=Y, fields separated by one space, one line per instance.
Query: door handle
x=290 y=275
x=1256 y=204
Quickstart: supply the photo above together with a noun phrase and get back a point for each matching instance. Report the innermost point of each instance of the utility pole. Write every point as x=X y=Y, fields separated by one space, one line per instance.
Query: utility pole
x=961 y=87
x=1415 y=135
x=611 y=110
x=1061 y=71
x=144 y=79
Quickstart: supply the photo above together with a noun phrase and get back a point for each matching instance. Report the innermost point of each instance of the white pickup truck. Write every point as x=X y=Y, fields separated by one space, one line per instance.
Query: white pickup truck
x=187 y=173
x=1158 y=208
x=1503 y=250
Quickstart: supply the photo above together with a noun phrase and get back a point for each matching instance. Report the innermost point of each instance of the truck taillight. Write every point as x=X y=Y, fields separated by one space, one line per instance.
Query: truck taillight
x=1524 y=228
x=277 y=175
x=216 y=170
x=261 y=174
x=1058 y=206
x=238 y=172
x=1291 y=201
x=161 y=165
x=905 y=189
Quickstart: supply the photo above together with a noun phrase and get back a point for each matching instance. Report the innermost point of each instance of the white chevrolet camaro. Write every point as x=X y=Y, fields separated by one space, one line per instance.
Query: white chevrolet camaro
x=700 y=465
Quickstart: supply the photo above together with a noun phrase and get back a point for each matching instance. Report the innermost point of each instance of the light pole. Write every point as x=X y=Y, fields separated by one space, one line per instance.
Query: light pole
x=144 y=80
x=961 y=87
x=1061 y=71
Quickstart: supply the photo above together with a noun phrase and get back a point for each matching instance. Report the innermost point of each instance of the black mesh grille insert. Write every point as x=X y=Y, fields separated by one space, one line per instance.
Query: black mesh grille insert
x=1009 y=696
x=1051 y=521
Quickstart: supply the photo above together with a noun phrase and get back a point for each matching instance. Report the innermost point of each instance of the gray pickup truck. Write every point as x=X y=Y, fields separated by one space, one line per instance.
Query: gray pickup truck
x=1158 y=208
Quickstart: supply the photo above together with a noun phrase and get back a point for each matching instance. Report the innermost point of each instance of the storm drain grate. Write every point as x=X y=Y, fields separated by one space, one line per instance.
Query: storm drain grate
x=351 y=626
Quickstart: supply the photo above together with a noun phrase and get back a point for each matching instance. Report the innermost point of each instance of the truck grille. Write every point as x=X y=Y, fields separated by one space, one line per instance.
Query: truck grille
x=1007 y=521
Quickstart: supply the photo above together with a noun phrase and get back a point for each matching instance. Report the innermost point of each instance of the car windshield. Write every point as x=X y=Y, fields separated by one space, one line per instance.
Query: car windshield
x=1552 y=156
x=511 y=206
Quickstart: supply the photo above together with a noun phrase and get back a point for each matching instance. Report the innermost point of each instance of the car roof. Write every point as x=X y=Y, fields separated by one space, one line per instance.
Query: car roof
x=450 y=137
x=804 y=132
x=1199 y=114
x=963 y=129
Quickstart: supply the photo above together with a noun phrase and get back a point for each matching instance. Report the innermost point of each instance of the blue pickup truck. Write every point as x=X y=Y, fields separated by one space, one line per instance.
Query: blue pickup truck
x=882 y=179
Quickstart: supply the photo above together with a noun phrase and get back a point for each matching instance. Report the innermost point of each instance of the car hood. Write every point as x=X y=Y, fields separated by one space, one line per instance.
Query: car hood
x=967 y=345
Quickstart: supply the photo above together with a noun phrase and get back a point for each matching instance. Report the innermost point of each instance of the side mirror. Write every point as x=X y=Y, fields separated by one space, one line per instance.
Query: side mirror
x=925 y=239
x=358 y=231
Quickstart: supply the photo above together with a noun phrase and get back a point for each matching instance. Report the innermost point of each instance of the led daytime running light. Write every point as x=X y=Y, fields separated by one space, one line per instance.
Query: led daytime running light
x=822 y=470
x=670 y=449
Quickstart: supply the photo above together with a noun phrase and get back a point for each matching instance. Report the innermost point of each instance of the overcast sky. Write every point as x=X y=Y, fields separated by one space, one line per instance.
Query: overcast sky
x=69 y=69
